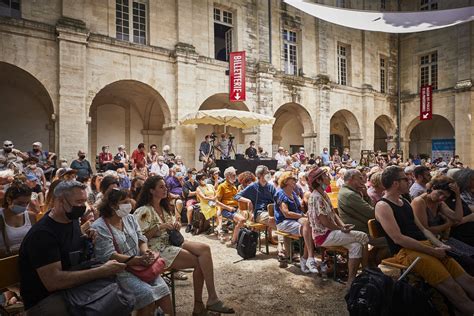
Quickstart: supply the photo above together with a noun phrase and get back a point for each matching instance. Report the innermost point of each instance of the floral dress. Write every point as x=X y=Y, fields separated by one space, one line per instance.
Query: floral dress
x=148 y=218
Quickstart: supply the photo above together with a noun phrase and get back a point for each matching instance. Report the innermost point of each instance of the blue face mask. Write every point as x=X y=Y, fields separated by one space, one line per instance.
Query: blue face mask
x=179 y=174
x=18 y=209
x=193 y=177
x=296 y=164
x=324 y=187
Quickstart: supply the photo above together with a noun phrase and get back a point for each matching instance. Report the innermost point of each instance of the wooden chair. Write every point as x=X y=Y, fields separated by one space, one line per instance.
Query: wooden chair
x=374 y=232
x=292 y=238
x=9 y=276
x=258 y=227
x=333 y=197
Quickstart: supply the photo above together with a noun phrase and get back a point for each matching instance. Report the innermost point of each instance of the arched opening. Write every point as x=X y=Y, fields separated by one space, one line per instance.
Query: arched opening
x=127 y=112
x=291 y=121
x=384 y=130
x=221 y=101
x=424 y=133
x=27 y=109
x=345 y=131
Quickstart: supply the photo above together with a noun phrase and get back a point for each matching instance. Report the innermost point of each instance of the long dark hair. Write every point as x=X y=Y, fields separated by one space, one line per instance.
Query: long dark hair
x=112 y=198
x=145 y=197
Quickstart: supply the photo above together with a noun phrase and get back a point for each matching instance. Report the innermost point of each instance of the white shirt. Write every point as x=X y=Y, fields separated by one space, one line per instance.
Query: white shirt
x=162 y=170
x=281 y=158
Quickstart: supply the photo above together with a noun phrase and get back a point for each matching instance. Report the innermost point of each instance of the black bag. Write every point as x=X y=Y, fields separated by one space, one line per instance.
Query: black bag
x=370 y=294
x=411 y=301
x=100 y=297
x=175 y=237
x=199 y=222
x=247 y=243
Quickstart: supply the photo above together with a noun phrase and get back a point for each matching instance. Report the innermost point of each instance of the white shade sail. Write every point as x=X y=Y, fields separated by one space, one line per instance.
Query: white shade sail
x=234 y=118
x=388 y=22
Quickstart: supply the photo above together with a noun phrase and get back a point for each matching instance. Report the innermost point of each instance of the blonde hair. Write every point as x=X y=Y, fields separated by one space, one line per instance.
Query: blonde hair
x=376 y=180
x=283 y=179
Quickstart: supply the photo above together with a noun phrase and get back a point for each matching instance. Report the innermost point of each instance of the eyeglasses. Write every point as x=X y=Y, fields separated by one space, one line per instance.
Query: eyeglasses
x=7 y=145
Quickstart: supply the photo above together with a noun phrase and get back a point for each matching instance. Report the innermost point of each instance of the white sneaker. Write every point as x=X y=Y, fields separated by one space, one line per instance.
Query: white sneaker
x=311 y=265
x=303 y=266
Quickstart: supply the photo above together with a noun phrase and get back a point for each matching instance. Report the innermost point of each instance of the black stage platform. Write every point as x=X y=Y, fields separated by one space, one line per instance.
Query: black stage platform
x=245 y=165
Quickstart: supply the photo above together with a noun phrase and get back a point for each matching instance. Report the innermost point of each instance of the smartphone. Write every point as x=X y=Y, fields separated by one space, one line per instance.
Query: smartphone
x=351 y=226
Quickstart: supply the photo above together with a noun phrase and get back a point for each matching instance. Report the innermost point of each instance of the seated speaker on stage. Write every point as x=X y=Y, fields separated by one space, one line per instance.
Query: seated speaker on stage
x=251 y=152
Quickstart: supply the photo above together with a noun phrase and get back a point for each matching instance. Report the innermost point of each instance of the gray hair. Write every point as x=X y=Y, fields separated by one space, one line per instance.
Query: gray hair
x=261 y=170
x=350 y=173
x=67 y=186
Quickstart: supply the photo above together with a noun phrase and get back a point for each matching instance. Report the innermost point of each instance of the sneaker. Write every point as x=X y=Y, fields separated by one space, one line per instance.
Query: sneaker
x=188 y=228
x=231 y=244
x=303 y=266
x=311 y=265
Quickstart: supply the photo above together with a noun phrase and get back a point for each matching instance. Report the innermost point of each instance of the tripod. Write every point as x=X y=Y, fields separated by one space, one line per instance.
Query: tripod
x=230 y=148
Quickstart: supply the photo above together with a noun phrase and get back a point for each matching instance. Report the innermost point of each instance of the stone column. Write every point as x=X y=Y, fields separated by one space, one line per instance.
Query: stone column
x=367 y=128
x=182 y=138
x=264 y=96
x=323 y=119
x=72 y=120
x=310 y=142
x=355 y=145
x=463 y=127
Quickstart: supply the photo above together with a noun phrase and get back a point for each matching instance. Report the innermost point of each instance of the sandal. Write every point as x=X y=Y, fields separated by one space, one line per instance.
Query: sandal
x=179 y=275
x=202 y=312
x=219 y=307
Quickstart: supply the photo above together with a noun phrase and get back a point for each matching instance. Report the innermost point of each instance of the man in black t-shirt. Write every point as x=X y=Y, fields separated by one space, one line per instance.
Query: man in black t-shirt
x=251 y=152
x=50 y=250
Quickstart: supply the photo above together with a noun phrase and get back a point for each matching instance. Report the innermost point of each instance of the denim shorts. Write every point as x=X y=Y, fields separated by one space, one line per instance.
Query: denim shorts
x=228 y=214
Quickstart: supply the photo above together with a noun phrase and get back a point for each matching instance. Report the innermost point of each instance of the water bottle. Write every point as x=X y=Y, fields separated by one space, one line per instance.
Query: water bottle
x=324 y=270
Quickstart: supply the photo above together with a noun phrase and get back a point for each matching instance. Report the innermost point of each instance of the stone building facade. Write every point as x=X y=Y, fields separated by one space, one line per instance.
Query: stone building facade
x=80 y=74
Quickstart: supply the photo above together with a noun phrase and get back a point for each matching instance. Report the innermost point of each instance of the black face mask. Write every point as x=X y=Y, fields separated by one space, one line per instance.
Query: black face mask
x=82 y=156
x=75 y=212
x=36 y=150
x=7 y=149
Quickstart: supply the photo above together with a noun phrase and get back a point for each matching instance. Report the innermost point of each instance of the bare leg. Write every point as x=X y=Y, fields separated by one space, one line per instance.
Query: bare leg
x=353 y=265
x=239 y=221
x=165 y=304
x=307 y=236
x=456 y=295
x=148 y=310
x=189 y=214
x=185 y=260
x=204 y=257
x=467 y=283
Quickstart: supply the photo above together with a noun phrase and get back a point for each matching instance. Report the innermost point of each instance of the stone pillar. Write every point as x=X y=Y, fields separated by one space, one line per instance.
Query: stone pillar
x=463 y=127
x=355 y=145
x=182 y=137
x=323 y=119
x=310 y=143
x=264 y=96
x=367 y=126
x=72 y=120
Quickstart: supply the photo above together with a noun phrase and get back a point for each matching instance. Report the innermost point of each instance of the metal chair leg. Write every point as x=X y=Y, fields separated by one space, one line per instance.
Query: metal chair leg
x=266 y=241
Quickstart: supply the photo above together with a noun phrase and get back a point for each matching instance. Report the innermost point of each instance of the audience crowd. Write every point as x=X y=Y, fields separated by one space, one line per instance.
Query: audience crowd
x=72 y=226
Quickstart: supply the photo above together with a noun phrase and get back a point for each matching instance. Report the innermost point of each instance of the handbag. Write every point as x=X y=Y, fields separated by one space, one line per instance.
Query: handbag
x=175 y=237
x=146 y=274
x=99 y=297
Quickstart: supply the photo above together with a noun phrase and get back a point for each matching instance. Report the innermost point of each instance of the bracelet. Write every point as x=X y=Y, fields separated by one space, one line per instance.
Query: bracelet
x=129 y=258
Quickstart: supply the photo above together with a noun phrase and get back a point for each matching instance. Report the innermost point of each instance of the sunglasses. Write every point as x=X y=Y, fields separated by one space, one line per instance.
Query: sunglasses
x=7 y=145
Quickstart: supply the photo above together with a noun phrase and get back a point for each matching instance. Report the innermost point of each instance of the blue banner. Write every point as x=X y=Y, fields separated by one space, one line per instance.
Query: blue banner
x=443 y=148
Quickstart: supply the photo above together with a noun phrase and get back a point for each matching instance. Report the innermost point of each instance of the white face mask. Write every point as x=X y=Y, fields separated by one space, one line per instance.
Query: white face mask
x=124 y=210
x=268 y=177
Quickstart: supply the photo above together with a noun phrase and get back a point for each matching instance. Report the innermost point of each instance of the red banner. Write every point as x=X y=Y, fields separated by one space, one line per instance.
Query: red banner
x=426 y=103
x=237 y=76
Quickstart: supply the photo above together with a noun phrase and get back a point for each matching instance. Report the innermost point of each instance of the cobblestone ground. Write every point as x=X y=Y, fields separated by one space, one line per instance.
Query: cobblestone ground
x=259 y=287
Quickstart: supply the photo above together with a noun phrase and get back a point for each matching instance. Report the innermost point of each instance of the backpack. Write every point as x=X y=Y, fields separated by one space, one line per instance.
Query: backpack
x=411 y=301
x=370 y=294
x=247 y=243
x=199 y=222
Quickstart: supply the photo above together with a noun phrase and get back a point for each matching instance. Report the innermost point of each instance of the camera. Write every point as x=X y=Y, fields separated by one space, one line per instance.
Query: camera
x=231 y=137
x=213 y=136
